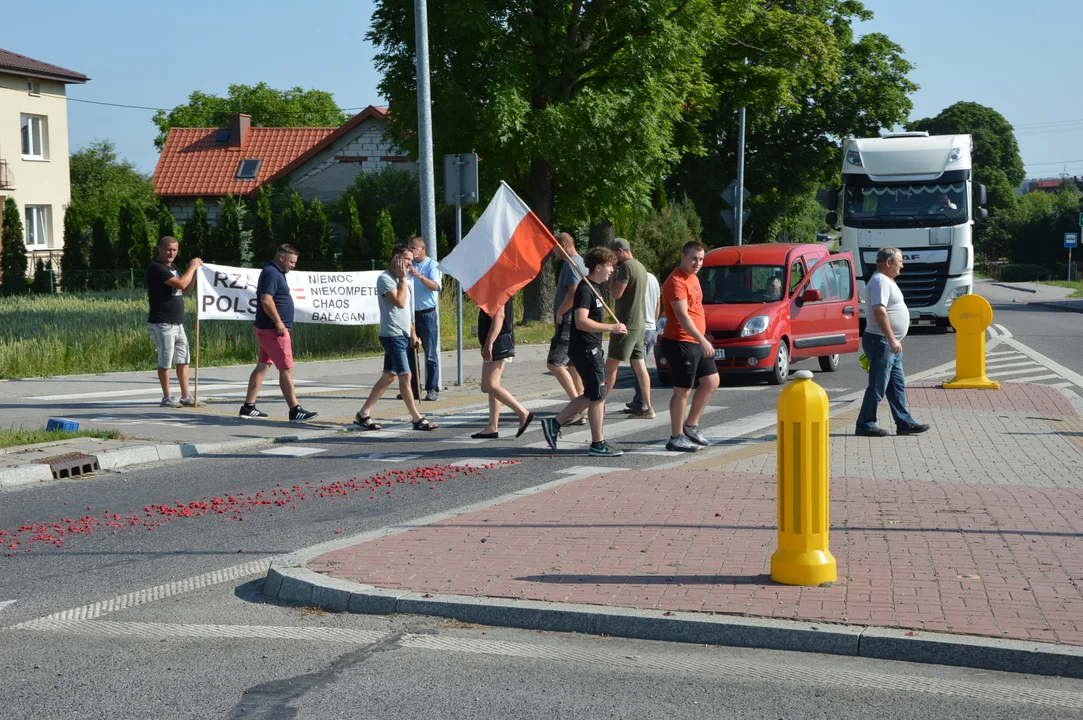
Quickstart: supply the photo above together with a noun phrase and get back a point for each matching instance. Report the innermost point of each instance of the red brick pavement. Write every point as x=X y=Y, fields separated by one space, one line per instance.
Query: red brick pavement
x=1012 y=397
x=702 y=541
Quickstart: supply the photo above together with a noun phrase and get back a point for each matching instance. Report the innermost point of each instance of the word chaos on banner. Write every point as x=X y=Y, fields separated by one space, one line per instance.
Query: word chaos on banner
x=327 y=298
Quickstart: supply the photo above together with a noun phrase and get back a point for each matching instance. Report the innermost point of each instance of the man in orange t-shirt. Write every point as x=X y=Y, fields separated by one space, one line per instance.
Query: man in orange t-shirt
x=687 y=350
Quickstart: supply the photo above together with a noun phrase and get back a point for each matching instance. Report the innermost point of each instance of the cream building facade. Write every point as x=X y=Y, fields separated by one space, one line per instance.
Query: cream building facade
x=34 y=149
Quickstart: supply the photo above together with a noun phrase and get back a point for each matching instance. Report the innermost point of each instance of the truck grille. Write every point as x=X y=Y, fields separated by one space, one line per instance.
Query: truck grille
x=922 y=284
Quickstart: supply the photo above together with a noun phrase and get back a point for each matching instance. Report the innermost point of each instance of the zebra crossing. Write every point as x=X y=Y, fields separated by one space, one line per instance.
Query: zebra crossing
x=1008 y=360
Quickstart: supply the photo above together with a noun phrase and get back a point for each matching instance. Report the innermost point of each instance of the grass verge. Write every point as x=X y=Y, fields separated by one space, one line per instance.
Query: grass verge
x=22 y=436
x=52 y=335
x=1076 y=285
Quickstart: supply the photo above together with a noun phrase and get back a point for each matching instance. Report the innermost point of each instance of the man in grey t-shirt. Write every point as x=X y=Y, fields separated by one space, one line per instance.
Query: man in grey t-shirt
x=398 y=337
x=888 y=322
x=557 y=361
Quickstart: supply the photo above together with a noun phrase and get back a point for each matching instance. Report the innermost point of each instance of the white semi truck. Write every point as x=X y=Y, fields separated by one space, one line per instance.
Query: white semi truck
x=915 y=192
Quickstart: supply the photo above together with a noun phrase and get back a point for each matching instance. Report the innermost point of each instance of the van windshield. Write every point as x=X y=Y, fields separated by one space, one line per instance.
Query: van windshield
x=917 y=205
x=732 y=284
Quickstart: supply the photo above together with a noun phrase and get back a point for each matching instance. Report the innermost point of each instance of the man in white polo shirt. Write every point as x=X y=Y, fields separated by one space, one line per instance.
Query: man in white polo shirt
x=888 y=323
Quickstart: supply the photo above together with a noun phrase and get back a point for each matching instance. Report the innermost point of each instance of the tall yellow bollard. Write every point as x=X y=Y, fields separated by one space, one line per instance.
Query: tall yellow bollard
x=970 y=315
x=803 y=556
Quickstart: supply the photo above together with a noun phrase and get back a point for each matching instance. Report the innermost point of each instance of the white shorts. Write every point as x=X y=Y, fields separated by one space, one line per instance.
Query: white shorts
x=171 y=343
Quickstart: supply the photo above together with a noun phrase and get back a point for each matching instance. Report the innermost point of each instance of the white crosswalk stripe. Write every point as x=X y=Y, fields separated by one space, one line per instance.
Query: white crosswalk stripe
x=1011 y=361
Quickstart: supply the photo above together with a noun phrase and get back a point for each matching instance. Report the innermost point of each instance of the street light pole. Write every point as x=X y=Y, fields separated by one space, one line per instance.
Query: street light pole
x=424 y=129
x=739 y=208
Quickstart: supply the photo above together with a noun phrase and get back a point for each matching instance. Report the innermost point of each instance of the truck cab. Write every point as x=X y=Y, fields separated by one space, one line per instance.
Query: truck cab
x=767 y=306
x=915 y=192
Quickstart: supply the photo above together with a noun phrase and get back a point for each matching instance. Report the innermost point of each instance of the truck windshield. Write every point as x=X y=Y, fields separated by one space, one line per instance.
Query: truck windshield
x=918 y=205
x=731 y=284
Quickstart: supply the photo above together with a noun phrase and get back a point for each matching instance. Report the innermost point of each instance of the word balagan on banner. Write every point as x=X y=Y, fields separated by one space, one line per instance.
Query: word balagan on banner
x=323 y=297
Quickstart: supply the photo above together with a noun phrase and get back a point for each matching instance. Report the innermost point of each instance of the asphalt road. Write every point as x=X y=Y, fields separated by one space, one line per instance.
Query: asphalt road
x=171 y=657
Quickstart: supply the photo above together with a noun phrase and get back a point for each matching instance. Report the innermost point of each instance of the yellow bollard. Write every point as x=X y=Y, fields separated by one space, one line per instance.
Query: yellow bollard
x=803 y=556
x=970 y=315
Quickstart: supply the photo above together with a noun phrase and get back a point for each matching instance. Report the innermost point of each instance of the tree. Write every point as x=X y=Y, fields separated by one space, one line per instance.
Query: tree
x=13 y=264
x=385 y=238
x=581 y=105
x=291 y=221
x=260 y=222
x=101 y=182
x=167 y=224
x=268 y=107
x=133 y=245
x=808 y=82
x=101 y=257
x=997 y=163
x=659 y=237
x=315 y=234
x=228 y=233
x=43 y=279
x=353 y=243
x=73 y=262
x=197 y=233
x=396 y=191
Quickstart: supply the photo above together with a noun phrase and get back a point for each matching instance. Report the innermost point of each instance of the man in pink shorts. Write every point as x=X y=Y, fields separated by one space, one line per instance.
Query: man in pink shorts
x=274 y=317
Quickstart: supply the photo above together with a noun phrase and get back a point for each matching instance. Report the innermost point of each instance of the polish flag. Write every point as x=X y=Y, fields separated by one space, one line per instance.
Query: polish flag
x=501 y=253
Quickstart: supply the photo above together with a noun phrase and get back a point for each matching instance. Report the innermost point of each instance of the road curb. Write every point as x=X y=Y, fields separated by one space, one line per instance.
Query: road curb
x=1058 y=306
x=1014 y=287
x=299 y=585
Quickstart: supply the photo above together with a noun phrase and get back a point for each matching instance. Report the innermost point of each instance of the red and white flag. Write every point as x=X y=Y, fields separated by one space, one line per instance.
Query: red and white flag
x=501 y=253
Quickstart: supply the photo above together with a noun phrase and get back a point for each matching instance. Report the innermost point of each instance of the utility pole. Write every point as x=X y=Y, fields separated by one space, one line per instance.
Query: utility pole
x=424 y=128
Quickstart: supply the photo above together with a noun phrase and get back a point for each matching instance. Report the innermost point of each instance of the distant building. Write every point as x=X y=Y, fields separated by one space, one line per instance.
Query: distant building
x=210 y=163
x=1048 y=185
x=34 y=149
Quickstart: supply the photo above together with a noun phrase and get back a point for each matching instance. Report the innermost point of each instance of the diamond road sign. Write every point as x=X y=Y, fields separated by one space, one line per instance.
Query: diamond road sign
x=1071 y=240
x=729 y=195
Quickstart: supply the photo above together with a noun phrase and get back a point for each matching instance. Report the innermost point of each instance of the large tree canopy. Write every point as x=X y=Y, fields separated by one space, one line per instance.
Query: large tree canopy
x=807 y=83
x=580 y=104
x=997 y=163
x=101 y=182
x=268 y=107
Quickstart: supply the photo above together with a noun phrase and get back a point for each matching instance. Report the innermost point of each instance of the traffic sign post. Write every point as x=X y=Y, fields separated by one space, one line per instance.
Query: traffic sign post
x=736 y=201
x=1070 y=241
x=460 y=188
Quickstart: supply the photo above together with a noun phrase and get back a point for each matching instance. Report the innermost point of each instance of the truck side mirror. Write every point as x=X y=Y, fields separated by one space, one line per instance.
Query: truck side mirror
x=833 y=199
x=832 y=219
x=982 y=197
x=982 y=214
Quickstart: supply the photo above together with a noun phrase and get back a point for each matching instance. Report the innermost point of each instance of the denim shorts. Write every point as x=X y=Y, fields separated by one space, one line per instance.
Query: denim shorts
x=396 y=348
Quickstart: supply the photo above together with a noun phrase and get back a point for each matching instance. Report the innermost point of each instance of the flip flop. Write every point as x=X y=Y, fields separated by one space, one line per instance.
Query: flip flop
x=525 y=425
x=485 y=435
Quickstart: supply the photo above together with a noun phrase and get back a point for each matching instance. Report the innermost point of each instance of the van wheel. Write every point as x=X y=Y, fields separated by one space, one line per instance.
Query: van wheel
x=829 y=363
x=781 y=371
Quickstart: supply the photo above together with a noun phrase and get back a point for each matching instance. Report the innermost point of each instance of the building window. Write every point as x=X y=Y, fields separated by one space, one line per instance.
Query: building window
x=248 y=169
x=37 y=226
x=33 y=128
x=33 y=86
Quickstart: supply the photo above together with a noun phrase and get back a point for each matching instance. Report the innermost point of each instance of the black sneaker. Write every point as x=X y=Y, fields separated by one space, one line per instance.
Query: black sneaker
x=250 y=411
x=692 y=433
x=871 y=432
x=915 y=429
x=603 y=449
x=299 y=414
x=551 y=431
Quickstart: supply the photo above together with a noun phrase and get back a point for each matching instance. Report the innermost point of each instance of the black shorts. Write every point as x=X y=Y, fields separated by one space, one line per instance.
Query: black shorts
x=686 y=362
x=558 y=346
x=503 y=347
x=591 y=368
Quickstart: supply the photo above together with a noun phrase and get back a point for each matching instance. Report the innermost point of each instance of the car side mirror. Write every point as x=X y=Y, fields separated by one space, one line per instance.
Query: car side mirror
x=832 y=219
x=810 y=295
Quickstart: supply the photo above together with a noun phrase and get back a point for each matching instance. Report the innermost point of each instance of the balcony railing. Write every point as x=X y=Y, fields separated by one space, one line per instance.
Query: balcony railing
x=7 y=178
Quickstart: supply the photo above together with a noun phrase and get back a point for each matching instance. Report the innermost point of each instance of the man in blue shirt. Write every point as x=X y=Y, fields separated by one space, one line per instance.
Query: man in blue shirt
x=427 y=282
x=274 y=318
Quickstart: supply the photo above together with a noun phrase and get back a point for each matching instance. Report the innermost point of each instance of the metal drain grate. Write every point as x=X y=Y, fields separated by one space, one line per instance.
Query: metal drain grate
x=70 y=465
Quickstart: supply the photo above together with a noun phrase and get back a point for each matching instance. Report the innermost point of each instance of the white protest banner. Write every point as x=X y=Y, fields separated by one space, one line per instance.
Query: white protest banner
x=323 y=297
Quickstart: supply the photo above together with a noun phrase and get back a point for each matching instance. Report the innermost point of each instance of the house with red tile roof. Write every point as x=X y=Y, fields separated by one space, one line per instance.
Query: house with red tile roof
x=322 y=163
x=34 y=149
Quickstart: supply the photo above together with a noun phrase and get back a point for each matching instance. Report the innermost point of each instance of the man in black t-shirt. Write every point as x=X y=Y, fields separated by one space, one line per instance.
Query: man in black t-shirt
x=585 y=352
x=165 y=291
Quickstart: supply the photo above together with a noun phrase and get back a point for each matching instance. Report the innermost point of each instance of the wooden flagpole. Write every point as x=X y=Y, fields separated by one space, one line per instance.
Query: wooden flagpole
x=584 y=279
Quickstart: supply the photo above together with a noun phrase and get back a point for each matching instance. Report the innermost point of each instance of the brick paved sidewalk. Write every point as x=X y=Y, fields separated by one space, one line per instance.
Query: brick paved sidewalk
x=976 y=528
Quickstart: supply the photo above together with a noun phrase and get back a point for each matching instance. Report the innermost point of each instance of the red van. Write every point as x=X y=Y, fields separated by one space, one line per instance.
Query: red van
x=769 y=305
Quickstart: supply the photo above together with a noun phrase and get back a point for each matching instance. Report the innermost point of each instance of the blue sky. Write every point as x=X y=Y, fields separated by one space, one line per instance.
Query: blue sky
x=1019 y=58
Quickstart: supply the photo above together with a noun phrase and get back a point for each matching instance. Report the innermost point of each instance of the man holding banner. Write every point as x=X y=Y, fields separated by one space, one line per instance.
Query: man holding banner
x=274 y=318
